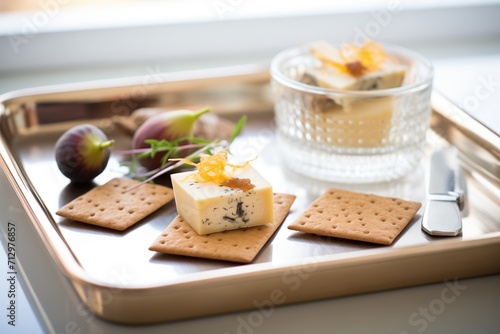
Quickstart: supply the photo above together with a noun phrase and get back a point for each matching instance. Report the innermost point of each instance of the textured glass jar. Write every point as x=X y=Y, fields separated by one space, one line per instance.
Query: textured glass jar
x=351 y=136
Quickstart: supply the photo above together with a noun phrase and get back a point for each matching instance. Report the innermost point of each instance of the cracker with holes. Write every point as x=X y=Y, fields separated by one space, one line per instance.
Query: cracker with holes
x=356 y=216
x=111 y=206
x=241 y=245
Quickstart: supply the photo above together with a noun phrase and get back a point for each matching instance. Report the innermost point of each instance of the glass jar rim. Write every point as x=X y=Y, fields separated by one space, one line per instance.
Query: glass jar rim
x=290 y=53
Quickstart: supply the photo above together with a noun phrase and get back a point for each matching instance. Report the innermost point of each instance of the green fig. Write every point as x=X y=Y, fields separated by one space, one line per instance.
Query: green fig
x=170 y=126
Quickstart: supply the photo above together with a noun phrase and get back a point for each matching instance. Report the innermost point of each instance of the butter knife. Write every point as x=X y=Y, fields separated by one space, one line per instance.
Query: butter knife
x=446 y=195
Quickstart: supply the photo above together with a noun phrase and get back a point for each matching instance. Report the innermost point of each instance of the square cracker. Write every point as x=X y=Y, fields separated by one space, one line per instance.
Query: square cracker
x=356 y=216
x=110 y=206
x=241 y=245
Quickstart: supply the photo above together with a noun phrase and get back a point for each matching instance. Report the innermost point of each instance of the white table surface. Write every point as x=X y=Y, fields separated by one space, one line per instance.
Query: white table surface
x=422 y=309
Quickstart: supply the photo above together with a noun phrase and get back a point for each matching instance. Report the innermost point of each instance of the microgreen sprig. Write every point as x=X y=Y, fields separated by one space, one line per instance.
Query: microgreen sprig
x=170 y=148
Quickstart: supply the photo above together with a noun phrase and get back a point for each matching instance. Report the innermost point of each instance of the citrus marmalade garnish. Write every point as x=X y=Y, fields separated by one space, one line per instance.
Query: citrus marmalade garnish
x=215 y=168
x=237 y=183
x=355 y=60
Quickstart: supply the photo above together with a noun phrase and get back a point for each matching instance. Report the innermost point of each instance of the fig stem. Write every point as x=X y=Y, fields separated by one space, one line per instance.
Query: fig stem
x=200 y=112
x=106 y=144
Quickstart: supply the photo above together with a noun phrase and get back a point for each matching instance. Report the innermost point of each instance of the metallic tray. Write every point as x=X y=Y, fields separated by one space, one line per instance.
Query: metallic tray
x=120 y=280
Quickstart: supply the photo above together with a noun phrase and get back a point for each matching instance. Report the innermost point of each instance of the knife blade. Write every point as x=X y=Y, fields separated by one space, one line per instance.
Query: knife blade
x=446 y=193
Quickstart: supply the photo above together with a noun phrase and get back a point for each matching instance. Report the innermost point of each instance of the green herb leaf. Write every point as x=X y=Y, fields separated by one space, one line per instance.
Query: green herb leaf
x=237 y=128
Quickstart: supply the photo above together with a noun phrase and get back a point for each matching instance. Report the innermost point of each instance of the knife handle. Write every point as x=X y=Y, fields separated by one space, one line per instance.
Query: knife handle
x=442 y=217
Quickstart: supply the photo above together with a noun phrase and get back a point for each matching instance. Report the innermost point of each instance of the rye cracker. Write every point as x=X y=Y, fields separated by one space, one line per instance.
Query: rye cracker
x=241 y=245
x=356 y=216
x=111 y=206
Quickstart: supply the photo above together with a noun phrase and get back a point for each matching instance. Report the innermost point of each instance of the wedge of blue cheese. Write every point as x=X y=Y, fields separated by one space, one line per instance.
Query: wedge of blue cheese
x=347 y=120
x=390 y=75
x=210 y=208
x=385 y=78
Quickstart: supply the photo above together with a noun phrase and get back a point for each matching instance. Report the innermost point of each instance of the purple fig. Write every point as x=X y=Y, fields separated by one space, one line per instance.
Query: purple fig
x=82 y=152
x=170 y=126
